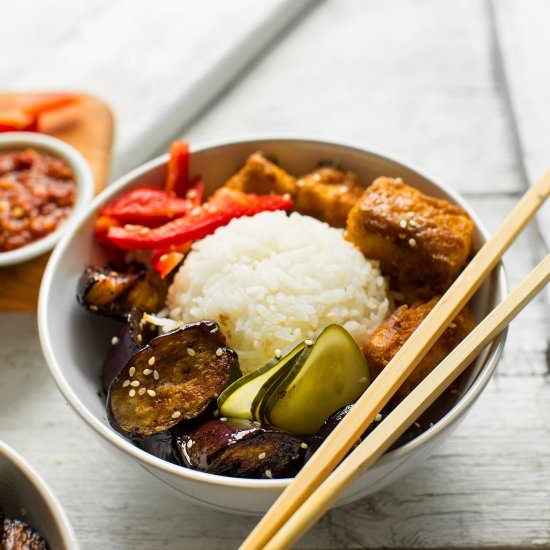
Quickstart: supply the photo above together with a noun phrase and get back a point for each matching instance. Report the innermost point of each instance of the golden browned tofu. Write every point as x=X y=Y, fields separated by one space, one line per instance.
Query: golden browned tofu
x=388 y=338
x=328 y=194
x=419 y=240
x=262 y=177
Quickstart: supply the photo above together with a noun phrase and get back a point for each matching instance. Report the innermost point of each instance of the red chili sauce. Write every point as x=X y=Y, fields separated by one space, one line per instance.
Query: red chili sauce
x=37 y=192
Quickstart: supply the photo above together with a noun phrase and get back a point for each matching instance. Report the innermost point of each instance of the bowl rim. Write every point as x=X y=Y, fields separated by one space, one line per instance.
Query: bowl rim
x=83 y=179
x=40 y=486
x=150 y=461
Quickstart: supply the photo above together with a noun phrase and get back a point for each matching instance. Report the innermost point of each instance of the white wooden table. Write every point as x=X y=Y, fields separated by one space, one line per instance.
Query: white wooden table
x=461 y=89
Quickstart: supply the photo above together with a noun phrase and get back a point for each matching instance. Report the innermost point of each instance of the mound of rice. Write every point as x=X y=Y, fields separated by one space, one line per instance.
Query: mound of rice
x=272 y=279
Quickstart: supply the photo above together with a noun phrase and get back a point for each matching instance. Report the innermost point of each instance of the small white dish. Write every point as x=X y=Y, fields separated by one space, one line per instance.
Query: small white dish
x=84 y=180
x=25 y=496
x=75 y=342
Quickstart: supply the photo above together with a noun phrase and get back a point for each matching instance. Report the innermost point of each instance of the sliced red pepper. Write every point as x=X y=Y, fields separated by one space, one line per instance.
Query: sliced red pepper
x=222 y=207
x=24 y=114
x=195 y=193
x=177 y=179
x=147 y=206
x=102 y=226
x=165 y=261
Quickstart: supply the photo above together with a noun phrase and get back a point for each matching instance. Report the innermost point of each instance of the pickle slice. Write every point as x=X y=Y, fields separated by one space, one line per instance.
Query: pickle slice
x=243 y=397
x=328 y=374
x=174 y=378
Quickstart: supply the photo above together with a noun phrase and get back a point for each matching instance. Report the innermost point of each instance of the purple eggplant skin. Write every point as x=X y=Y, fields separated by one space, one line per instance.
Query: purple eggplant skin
x=17 y=535
x=241 y=448
x=334 y=419
x=130 y=338
x=163 y=446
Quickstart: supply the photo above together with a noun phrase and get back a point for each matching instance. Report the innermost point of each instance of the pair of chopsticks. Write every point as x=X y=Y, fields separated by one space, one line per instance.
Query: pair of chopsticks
x=316 y=486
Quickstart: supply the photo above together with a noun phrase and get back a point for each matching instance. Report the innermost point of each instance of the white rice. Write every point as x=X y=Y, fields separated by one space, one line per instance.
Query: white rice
x=272 y=279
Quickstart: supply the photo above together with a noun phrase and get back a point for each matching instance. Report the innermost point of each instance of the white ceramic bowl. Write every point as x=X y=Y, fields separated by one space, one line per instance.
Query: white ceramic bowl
x=24 y=495
x=82 y=176
x=74 y=342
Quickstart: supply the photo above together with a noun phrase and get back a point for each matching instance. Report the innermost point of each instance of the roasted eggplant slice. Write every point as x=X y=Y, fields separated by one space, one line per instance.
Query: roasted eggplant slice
x=163 y=445
x=17 y=535
x=102 y=290
x=241 y=448
x=115 y=293
x=134 y=334
x=333 y=420
x=174 y=378
x=149 y=293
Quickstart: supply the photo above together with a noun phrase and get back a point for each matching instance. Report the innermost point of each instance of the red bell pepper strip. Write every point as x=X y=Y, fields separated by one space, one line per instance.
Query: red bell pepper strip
x=164 y=261
x=222 y=207
x=102 y=225
x=147 y=206
x=177 y=179
x=24 y=114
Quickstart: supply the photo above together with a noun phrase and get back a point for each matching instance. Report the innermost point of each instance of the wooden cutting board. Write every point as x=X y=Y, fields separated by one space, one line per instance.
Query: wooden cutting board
x=87 y=126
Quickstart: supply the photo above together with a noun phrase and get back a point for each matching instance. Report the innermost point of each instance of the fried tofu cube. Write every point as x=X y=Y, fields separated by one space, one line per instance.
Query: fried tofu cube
x=328 y=194
x=418 y=239
x=388 y=338
x=261 y=176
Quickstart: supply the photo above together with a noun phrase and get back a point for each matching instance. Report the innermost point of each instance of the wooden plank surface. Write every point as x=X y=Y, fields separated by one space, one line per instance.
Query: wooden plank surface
x=521 y=29
x=87 y=126
x=417 y=80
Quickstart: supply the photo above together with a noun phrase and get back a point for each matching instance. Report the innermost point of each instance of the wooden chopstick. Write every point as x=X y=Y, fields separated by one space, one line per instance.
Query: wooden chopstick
x=397 y=422
x=349 y=430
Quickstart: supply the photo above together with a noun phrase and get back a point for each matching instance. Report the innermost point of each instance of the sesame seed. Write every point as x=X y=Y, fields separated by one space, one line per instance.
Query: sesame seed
x=126 y=383
x=257 y=424
x=309 y=342
x=191 y=352
x=190 y=443
x=151 y=361
x=141 y=391
x=156 y=374
x=363 y=380
x=261 y=456
x=417 y=424
x=268 y=474
x=452 y=325
x=378 y=417
x=412 y=243
x=412 y=223
x=132 y=371
x=176 y=414
x=144 y=230
x=135 y=383
x=398 y=180
x=278 y=353
x=304 y=445
x=403 y=224
x=223 y=419
x=219 y=352
x=163 y=257
x=132 y=393
x=191 y=194
x=139 y=338
x=286 y=196
x=152 y=393
x=196 y=211
x=114 y=340
x=409 y=215
x=93 y=307
x=147 y=372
